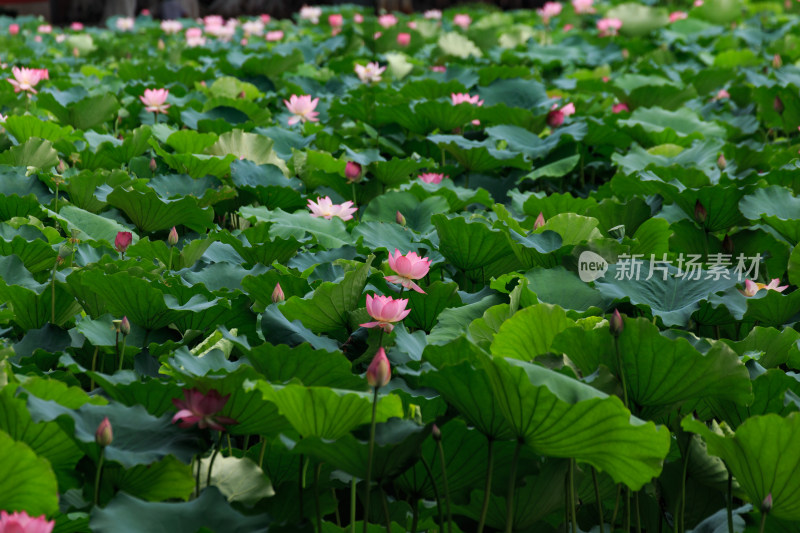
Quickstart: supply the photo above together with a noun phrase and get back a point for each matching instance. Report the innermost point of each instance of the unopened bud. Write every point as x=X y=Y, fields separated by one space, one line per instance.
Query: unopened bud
x=539 y=221
x=242 y=95
x=379 y=371
x=436 y=433
x=700 y=213
x=277 y=294
x=777 y=105
x=722 y=162
x=172 y=238
x=727 y=244
x=125 y=326
x=766 y=505
x=777 y=61
x=400 y=219
x=615 y=323
x=76 y=52
x=153 y=165
x=161 y=45
x=104 y=435
x=62 y=166
x=352 y=171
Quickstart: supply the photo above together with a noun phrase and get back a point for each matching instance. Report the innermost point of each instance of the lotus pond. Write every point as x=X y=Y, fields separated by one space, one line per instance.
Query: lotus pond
x=529 y=271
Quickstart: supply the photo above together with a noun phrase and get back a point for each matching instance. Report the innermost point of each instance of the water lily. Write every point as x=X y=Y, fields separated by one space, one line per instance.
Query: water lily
x=379 y=371
x=201 y=409
x=25 y=79
x=325 y=208
x=386 y=311
x=303 y=108
x=460 y=98
x=752 y=287
x=155 y=100
x=371 y=73
x=408 y=268
x=431 y=177
x=20 y=522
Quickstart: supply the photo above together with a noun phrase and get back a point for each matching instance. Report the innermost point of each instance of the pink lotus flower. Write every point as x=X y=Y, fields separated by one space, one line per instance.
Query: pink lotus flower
x=171 y=26
x=439 y=68
x=352 y=172
x=677 y=15
x=76 y=26
x=751 y=287
x=253 y=27
x=408 y=268
x=303 y=108
x=568 y=27
x=379 y=371
x=385 y=310
x=358 y=18
x=460 y=98
x=276 y=35
x=463 y=20
x=722 y=94
x=25 y=79
x=549 y=10
x=45 y=28
x=201 y=409
x=326 y=209
x=310 y=14
x=155 y=100
x=13 y=29
x=431 y=177
x=194 y=37
x=336 y=20
x=434 y=14
x=265 y=18
x=608 y=27
x=412 y=24
x=370 y=73
x=619 y=108
x=697 y=3
x=387 y=21
x=122 y=241
x=583 y=6
x=377 y=35
x=403 y=39
x=125 y=23
x=555 y=117
x=213 y=20
x=20 y=522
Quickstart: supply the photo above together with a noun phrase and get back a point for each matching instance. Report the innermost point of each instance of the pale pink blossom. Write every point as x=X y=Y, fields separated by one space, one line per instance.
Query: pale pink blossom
x=677 y=15
x=371 y=73
x=462 y=20
x=253 y=27
x=201 y=409
x=461 y=98
x=44 y=74
x=213 y=20
x=311 y=14
x=325 y=208
x=379 y=371
x=358 y=18
x=403 y=39
x=275 y=35
x=608 y=27
x=583 y=6
x=697 y=3
x=539 y=222
x=722 y=94
x=76 y=26
x=45 y=28
x=434 y=14
x=194 y=37
x=412 y=24
x=549 y=10
x=155 y=100
x=125 y=23
x=752 y=287
x=38 y=39
x=303 y=108
x=432 y=177
x=385 y=310
x=619 y=108
x=20 y=522
x=61 y=37
x=13 y=29
x=265 y=18
x=568 y=27
x=408 y=268
x=556 y=116
x=171 y=26
x=387 y=21
x=377 y=35
x=25 y=79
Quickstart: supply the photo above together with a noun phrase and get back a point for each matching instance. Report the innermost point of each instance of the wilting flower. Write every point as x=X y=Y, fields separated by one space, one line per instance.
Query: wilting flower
x=277 y=294
x=387 y=21
x=125 y=23
x=25 y=79
x=408 y=268
x=583 y=6
x=104 y=435
x=549 y=10
x=379 y=371
x=385 y=310
x=432 y=177
x=171 y=26
x=122 y=241
x=20 y=522
x=619 y=108
x=155 y=100
x=352 y=172
x=751 y=287
x=608 y=27
x=556 y=116
x=403 y=39
x=370 y=73
x=677 y=15
x=194 y=37
x=463 y=20
x=303 y=108
x=326 y=209
x=201 y=409
x=310 y=13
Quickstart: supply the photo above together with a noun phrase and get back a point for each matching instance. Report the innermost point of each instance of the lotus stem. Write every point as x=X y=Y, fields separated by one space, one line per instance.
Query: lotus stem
x=598 y=500
x=300 y=485
x=386 y=514
x=197 y=477
x=371 y=451
x=763 y=522
x=415 y=516
x=487 y=490
x=446 y=488
x=97 y=476
x=213 y=457
x=261 y=453
x=627 y=525
x=621 y=373
x=122 y=351
x=94 y=365
x=169 y=266
x=730 y=502
x=512 y=482
x=316 y=497
x=435 y=492
x=336 y=509
x=53 y=294
x=572 y=514
x=616 y=507
x=353 y=505
x=638 y=514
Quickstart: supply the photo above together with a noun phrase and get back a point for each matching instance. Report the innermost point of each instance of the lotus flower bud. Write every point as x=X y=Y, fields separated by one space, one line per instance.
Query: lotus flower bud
x=122 y=241
x=777 y=61
x=727 y=244
x=539 y=221
x=153 y=165
x=400 y=219
x=700 y=213
x=104 y=435
x=722 y=162
x=172 y=239
x=242 y=95
x=277 y=294
x=352 y=171
x=777 y=105
x=161 y=44
x=436 y=433
x=125 y=326
x=766 y=505
x=379 y=371
x=615 y=323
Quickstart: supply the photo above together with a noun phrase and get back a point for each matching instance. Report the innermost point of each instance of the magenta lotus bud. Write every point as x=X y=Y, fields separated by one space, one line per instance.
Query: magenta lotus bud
x=400 y=219
x=277 y=294
x=615 y=323
x=104 y=435
x=403 y=39
x=153 y=165
x=436 y=433
x=125 y=326
x=766 y=505
x=722 y=162
x=539 y=221
x=122 y=241
x=700 y=213
x=352 y=171
x=777 y=105
x=172 y=239
x=379 y=371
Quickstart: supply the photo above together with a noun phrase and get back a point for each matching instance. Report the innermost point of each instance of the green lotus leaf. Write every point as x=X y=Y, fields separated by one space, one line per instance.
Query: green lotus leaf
x=27 y=481
x=530 y=332
x=239 y=479
x=34 y=152
x=151 y=213
x=469 y=245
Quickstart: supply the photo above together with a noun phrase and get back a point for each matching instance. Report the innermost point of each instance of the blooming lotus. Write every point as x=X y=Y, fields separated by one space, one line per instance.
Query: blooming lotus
x=556 y=116
x=20 y=522
x=371 y=73
x=358 y=18
x=583 y=6
x=76 y=26
x=194 y=37
x=336 y=20
x=253 y=27
x=13 y=29
x=25 y=79
x=460 y=98
x=125 y=23
x=379 y=372
x=275 y=35
x=201 y=409
x=677 y=15
x=432 y=177
x=439 y=68
x=310 y=13
x=213 y=20
x=722 y=94
x=619 y=108
x=325 y=208
x=387 y=21
x=751 y=287
x=403 y=39
x=434 y=14
x=45 y=28
x=549 y=10
x=608 y=27
x=462 y=20
x=303 y=108
x=408 y=268
x=155 y=100
x=385 y=310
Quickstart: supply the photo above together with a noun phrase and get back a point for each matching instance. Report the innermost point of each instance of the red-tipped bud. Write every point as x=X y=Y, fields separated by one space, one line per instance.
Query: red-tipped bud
x=766 y=505
x=352 y=171
x=277 y=294
x=400 y=219
x=436 y=433
x=722 y=162
x=777 y=105
x=379 y=371
x=104 y=435
x=153 y=165
x=615 y=323
x=172 y=239
x=125 y=326
x=539 y=221
x=122 y=241
x=700 y=213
